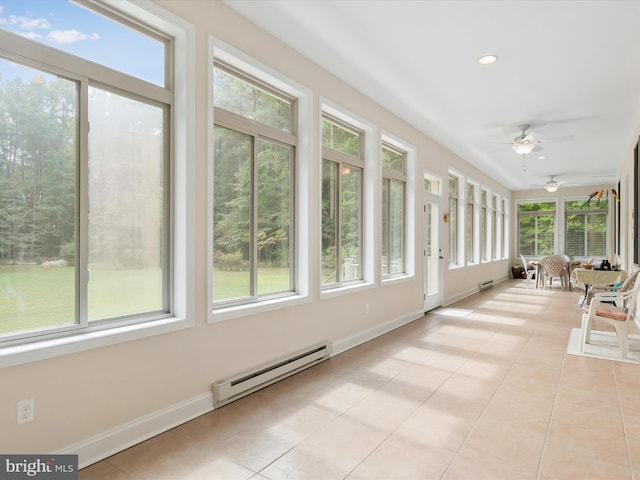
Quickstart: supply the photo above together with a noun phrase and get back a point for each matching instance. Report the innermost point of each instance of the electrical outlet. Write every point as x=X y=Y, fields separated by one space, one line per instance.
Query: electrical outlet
x=26 y=411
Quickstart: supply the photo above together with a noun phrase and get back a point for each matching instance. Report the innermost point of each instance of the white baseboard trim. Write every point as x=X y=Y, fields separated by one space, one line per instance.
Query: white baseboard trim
x=105 y=444
x=344 y=344
x=472 y=291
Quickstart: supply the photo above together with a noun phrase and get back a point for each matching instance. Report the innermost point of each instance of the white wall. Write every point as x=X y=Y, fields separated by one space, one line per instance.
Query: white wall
x=101 y=399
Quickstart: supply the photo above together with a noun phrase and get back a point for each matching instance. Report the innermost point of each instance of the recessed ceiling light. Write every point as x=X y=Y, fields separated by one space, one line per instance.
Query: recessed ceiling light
x=542 y=157
x=487 y=59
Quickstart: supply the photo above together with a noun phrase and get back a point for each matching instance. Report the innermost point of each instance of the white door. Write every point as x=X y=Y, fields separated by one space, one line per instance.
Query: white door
x=432 y=253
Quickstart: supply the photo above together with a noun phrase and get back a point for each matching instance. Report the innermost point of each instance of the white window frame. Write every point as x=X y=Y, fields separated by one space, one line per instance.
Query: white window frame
x=505 y=228
x=370 y=182
x=181 y=203
x=608 y=236
x=558 y=217
x=485 y=225
x=409 y=207
x=458 y=261
x=475 y=221
x=496 y=239
x=219 y=50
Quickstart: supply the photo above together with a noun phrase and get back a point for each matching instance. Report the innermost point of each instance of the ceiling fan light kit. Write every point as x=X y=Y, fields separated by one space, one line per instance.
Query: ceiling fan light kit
x=552 y=185
x=524 y=144
x=523 y=148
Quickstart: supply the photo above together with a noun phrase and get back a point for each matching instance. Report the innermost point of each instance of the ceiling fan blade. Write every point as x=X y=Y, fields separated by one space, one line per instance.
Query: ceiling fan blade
x=563 y=138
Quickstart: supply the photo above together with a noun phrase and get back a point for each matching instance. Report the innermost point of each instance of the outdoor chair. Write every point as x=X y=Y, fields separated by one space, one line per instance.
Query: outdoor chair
x=554 y=266
x=529 y=269
x=618 y=318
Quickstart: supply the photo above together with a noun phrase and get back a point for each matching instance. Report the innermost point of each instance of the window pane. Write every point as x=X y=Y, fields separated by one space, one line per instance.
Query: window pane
x=231 y=214
x=432 y=185
x=329 y=222
x=393 y=159
x=576 y=239
x=238 y=96
x=536 y=228
x=586 y=227
x=38 y=162
x=340 y=138
x=126 y=206
x=536 y=234
x=483 y=228
x=453 y=185
x=453 y=231
x=397 y=227
x=350 y=215
x=470 y=234
x=63 y=25
x=536 y=206
x=274 y=217
x=386 y=259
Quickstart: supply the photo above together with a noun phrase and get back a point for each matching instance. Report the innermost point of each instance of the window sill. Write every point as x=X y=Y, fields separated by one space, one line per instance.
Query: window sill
x=397 y=279
x=345 y=290
x=12 y=355
x=236 y=311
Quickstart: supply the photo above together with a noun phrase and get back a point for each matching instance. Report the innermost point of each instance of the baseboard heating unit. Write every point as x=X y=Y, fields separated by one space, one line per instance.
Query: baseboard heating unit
x=226 y=391
x=485 y=285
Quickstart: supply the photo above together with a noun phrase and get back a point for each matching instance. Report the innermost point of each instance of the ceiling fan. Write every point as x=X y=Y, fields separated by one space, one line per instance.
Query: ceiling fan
x=553 y=185
x=524 y=143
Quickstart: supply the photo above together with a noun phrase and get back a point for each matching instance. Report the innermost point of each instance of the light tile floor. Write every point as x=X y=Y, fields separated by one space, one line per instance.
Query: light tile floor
x=492 y=395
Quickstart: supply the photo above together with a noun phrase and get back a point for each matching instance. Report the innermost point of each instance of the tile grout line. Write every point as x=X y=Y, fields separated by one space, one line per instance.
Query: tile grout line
x=624 y=427
x=551 y=415
x=473 y=427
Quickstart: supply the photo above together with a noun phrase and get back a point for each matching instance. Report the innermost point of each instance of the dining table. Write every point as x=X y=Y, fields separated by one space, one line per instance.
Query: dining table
x=593 y=277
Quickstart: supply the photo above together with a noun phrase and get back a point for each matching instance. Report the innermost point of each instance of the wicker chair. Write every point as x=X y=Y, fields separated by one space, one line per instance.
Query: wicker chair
x=554 y=266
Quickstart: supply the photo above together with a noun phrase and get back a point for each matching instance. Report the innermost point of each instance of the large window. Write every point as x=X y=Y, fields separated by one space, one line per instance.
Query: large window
x=504 y=222
x=85 y=214
x=254 y=189
x=485 y=225
x=495 y=237
x=586 y=228
x=342 y=202
x=394 y=180
x=536 y=228
x=454 y=221
x=472 y=221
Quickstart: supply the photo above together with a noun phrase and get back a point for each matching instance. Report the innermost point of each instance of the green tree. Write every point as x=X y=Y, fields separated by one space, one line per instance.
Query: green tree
x=37 y=167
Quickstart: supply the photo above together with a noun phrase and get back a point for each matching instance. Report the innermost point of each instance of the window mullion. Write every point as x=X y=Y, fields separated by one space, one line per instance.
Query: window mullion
x=339 y=225
x=253 y=228
x=82 y=207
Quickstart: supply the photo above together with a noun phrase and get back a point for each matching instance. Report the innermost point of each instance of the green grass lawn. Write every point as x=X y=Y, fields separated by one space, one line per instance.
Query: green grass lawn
x=234 y=284
x=34 y=297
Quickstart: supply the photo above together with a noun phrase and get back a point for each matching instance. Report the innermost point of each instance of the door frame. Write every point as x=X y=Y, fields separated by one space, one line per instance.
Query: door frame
x=431 y=302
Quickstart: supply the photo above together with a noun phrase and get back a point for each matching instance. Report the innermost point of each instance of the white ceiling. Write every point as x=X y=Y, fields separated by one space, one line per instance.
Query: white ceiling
x=570 y=69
